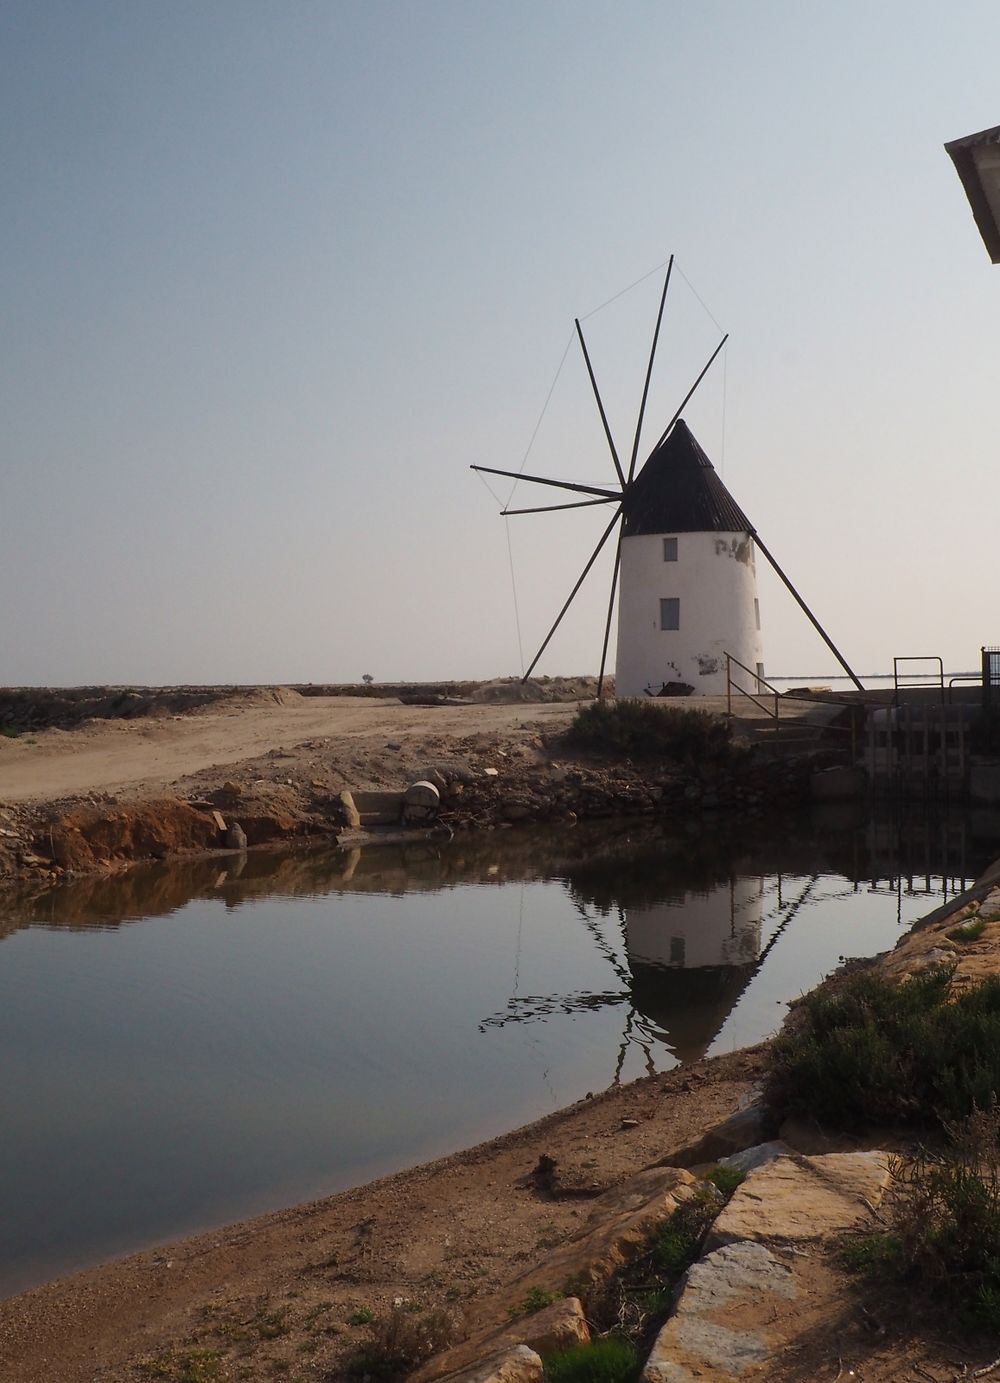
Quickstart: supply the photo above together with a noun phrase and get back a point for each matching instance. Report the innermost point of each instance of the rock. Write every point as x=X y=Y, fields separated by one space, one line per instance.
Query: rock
x=352 y=817
x=515 y=811
x=421 y=802
x=453 y=771
x=793 y=1199
x=517 y=1365
x=492 y=772
x=637 y=1191
x=231 y=789
x=759 y=1156
x=548 y=1331
x=744 y=1129
x=608 y=1240
x=236 y=837
x=701 y=1339
x=435 y=776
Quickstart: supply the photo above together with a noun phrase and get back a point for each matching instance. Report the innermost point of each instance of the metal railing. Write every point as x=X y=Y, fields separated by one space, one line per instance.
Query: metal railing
x=732 y=686
x=917 y=658
x=847 y=701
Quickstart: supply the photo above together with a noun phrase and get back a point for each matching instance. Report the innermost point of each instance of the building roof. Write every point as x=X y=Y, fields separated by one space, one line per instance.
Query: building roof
x=977 y=161
x=678 y=490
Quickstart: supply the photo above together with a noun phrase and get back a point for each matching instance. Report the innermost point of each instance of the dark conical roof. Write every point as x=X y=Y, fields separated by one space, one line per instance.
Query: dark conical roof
x=678 y=490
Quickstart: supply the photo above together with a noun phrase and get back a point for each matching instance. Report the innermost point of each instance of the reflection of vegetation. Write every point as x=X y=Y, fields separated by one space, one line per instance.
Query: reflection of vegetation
x=984 y=733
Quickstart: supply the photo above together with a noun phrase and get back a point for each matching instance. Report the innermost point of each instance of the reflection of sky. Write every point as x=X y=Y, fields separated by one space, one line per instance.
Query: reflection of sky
x=208 y=1064
x=833 y=922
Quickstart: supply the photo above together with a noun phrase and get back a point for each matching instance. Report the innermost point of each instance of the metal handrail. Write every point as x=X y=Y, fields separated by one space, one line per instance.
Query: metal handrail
x=730 y=684
x=917 y=658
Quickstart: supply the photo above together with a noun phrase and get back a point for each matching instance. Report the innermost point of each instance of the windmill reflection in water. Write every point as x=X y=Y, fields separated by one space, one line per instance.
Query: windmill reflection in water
x=682 y=961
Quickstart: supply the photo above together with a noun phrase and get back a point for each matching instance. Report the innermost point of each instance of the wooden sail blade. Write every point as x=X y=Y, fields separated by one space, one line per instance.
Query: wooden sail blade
x=600 y=405
x=645 y=395
x=611 y=606
x=687 y=397
x=551 y=508
x=544 y=480
x=569 y=599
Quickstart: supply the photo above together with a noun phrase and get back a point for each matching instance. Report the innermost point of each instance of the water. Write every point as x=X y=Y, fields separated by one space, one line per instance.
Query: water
x=191 y=1045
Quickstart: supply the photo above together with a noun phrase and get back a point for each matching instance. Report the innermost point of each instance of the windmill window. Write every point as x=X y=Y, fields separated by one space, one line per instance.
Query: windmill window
x=670 y=613
x=756 y=611
x=670 y=549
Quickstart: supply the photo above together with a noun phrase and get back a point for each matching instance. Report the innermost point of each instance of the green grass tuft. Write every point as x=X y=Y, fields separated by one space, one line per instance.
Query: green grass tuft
x=970 y=930
x=534 y=1299
x=610 y=1359
x=726 y=1179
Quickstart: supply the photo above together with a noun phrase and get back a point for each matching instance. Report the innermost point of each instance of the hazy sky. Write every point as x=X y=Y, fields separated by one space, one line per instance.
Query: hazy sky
x=274 y=274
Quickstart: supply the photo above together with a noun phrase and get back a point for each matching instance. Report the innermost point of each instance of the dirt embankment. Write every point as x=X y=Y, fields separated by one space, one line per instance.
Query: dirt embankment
x=114 y=791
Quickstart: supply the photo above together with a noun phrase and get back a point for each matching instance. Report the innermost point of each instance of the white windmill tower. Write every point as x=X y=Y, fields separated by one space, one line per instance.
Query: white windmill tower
x=688 y=583
x=685 y=557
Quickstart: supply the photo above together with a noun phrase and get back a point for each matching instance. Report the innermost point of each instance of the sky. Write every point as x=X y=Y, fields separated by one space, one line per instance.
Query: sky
x=275 y=274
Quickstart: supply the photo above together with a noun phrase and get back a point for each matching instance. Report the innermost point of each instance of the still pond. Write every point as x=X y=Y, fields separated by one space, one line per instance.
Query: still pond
x=190 y=1045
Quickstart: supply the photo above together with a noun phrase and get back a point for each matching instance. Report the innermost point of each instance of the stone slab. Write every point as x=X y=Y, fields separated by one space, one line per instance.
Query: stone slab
x=759 y=1156
x=743 y=1129
x=548 y=1331
x=796 y=1199
x=736 y=1307
x=517 y=1365
x=602 y=1247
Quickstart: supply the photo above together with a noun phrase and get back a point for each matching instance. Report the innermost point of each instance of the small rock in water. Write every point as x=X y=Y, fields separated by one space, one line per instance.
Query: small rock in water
x=236 y=837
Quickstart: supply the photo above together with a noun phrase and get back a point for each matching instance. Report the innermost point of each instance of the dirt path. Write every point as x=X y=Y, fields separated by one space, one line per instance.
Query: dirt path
x=145 y=757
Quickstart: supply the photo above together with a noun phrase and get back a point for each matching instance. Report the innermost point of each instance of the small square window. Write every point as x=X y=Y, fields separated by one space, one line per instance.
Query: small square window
x=670 y=549
x=756 y=611
x=670 y=613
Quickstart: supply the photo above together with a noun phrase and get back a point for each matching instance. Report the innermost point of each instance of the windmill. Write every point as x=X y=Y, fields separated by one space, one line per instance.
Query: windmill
x=684 y=557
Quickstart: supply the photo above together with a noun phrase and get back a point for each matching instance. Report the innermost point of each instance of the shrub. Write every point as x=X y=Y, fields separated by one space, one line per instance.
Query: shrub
x=611 y=1359
x=867 y=1051
x=649 y=729
x=943 y=1239
x=400 y=1342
